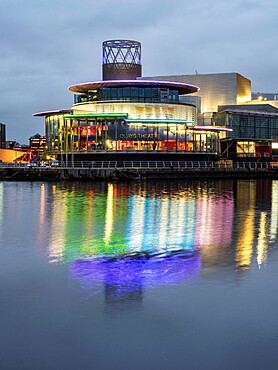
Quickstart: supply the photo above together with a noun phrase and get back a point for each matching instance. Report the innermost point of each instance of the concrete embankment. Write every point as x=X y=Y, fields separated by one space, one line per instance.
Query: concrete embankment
x=87 y=174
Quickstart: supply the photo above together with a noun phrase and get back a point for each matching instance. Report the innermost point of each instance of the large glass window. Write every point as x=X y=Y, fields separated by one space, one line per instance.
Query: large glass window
x=141 y=95
x=173 y=95
x=181 y=137
x=152 y=137
x=83 y=135
x=106 y=93
x=94 y=95
x=92 y=135
x=111 y=139
x=189 y=141
x=121 y=135
x=148 y=93
x=172 y=137
x=126 y=93
x=133 y=93
x=162 y=137
x=114 y=93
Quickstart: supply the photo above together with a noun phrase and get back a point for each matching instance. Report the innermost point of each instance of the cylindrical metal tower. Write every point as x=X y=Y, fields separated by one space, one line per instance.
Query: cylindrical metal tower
x=121 y=60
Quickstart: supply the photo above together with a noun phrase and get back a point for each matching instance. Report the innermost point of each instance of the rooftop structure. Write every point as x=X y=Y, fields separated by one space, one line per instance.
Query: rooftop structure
x=121 y=60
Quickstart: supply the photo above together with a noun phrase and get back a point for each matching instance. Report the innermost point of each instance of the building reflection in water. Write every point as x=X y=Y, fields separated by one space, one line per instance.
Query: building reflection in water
x=246 y=197
x=41 y=213
x=124 y=238
x=214 y=225
x=1 y=207
x=274 y=212
x=124 y=279
x=57 y=236
x=255 y=224
x=262 y=241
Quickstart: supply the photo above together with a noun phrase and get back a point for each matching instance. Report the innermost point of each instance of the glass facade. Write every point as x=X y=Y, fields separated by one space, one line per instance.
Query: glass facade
x=130 y=93
x=248 y=125
x=114 y=134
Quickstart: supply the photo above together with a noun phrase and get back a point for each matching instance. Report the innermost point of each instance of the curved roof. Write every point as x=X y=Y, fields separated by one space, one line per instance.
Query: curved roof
x=182 y=88
x=51 y=112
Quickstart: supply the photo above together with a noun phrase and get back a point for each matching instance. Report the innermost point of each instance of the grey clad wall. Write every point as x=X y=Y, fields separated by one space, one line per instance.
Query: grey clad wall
x=215 y=88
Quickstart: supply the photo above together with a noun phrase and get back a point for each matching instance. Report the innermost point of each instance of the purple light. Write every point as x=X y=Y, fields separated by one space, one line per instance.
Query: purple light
x=139 y=82
x=124 y=275
x=213 y=128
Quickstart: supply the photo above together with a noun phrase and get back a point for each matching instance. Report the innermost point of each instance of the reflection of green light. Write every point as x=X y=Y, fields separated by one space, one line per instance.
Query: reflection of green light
x=91 y=228
x=112 y=223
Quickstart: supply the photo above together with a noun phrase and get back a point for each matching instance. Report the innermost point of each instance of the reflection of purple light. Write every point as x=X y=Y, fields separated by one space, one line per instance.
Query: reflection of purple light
x=214 y=222
x=132 y=273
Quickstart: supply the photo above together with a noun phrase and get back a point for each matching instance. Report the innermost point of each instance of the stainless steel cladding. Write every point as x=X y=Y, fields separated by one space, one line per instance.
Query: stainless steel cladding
x=121 y=60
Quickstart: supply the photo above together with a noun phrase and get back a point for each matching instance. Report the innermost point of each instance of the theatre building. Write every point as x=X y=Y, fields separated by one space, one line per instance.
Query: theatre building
x=122 y=116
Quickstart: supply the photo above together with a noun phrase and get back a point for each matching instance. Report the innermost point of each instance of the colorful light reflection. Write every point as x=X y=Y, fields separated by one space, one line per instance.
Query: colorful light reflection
x=120 y=237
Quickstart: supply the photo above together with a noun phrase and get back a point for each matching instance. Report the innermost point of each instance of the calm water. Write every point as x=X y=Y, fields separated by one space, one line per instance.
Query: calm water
x=143 y=275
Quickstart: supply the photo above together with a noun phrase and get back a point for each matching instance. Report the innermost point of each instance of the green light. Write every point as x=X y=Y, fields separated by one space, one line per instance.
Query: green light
x=95 y=115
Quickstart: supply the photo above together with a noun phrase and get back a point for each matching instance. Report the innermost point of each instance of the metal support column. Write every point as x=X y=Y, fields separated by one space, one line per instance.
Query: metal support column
x=87 y=134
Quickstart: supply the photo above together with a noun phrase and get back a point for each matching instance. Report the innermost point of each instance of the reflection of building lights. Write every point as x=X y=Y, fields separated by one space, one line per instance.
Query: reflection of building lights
x=57 y=239
x=137 y=229
x=42 y=203
x=244 y=248
x=214 y=223
x=163 y=217
x=262 y=243
x=134 y=272
x=274 y=212
x=41 y=214
x=1 y=206
x=109 y=214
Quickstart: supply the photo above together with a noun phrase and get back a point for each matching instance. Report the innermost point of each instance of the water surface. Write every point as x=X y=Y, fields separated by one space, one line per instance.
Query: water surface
x=164 y=275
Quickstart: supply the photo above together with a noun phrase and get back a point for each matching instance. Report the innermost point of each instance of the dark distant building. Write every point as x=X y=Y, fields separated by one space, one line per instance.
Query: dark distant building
x=12 y=144
x=37 y=143
x=264 y=96
x=2 y=136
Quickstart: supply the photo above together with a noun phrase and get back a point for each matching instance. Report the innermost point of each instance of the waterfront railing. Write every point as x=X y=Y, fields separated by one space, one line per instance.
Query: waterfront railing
x=145 y=165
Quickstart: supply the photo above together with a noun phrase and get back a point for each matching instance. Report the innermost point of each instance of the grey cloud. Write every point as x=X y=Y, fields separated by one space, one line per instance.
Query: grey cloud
x=48 y=45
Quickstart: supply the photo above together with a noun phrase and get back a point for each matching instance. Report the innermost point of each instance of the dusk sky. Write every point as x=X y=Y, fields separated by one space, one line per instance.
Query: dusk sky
x=48 y=45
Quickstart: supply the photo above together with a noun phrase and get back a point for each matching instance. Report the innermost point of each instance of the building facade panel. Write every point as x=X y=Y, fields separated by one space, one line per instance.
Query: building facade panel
x=215 y=88
x=139 y=110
